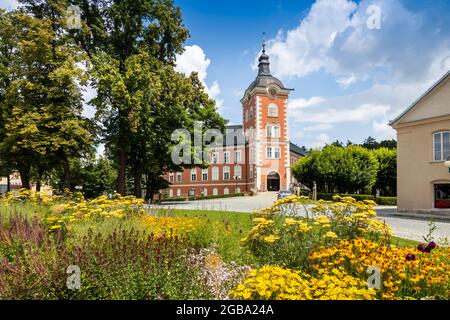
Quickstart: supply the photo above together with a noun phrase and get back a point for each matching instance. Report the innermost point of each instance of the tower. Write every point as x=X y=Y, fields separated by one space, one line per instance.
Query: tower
x=265 y=124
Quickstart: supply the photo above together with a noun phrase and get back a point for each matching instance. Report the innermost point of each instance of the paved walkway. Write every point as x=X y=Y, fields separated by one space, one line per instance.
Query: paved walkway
x=408 y=228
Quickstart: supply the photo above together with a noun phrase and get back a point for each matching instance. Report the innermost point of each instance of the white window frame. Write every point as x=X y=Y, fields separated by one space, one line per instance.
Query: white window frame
x=193 y=174
x=215 y=157
x=272 y=151
x=226 y=191
x=204 y=171
x=171 y=177
x=215 y=173
x=442 y=156
x=273 y=130
x=226 y=157
x=179 y=177
x=226 y=170
x=236 y=158
x=270 y=110
x=238 y=171
x=178 y=192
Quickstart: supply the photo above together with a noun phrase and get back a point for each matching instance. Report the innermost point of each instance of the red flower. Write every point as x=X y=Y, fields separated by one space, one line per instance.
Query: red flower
x=421 y=247
x=410 y=257
x=432 y=245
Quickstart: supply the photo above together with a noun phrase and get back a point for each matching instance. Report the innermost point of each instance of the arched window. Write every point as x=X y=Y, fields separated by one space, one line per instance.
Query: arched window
x=226 y=191
x=178 y=192
x=237 y=190
x=226 y=173
x=193 y=174
x=273 y=110
x=170 y=193
x=215 y=173
x=237 y=172
x=441 y=146
x=215 y=191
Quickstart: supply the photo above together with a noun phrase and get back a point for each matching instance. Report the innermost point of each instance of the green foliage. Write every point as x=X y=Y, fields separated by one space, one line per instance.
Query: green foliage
x=386 y=201
x=387 y=171
x=358 y=197
x=338 y=169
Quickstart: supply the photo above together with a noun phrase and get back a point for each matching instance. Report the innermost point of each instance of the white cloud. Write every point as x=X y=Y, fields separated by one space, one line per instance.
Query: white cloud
x=320 y=141
x=318 y=127
x=8 y=4
x=194 y=59
x=361 y=113
x=300 y=103
x=334 y=37
x=383 y=130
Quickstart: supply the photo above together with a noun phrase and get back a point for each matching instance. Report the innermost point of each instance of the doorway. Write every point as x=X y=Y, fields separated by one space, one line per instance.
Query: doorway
x=273 y=181
x=442 y=196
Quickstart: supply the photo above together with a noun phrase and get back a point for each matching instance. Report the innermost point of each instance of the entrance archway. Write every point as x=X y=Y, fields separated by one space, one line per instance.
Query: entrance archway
x=273 y=181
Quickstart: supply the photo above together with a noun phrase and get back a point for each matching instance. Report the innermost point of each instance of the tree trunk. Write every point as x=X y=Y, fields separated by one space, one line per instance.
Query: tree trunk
x=66 y=175
x=8 y=183
x=121 y=174
x=137 y=181
x=25 y=177
x=38 y=185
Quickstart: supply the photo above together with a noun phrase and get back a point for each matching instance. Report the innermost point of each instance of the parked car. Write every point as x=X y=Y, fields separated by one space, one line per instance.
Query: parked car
x=284 y=193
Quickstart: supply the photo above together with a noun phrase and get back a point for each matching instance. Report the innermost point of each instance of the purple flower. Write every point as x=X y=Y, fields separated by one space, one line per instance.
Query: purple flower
x=421 y=247
x=432 y=245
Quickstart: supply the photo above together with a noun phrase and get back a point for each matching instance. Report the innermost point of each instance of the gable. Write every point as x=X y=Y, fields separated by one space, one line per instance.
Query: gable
x=434 y=103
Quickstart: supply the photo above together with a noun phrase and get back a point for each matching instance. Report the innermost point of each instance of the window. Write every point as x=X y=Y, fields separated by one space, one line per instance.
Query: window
x=237 y=190
x=251 y=171
x=170 y=193
x=273 y=131
x=226 y=191
x=178 y=192
x=251 y=113
x=193 y=174
x=273 y=110
x=170 y=177
x=441 y=146
x=215 y=191
x=204 y=174
x=215 y=157
x=273 y=153
x=226 y=173
x=179 y=176
x=237 y=172
x=226 y=157
x=204 y=192
x=215 y=173
x=237 y=156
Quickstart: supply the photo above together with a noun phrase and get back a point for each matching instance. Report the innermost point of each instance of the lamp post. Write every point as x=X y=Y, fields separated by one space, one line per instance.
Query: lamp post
x=447 y=164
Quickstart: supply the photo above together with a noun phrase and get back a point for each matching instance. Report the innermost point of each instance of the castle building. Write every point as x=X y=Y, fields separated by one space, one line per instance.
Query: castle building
x=261 y=160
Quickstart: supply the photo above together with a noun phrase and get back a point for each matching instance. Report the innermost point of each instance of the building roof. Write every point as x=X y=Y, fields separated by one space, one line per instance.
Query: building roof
x=421 y=98
x=296 y=149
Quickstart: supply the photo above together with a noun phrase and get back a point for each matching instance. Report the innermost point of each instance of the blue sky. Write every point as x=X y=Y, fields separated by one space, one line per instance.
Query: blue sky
x=349 y=79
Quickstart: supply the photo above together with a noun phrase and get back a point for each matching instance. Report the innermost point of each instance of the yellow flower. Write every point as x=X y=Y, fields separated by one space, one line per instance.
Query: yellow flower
x=270 y=239
x=330 y=235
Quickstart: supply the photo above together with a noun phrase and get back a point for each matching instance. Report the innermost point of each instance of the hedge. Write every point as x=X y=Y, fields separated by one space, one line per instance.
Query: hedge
x=384 y=201
x=358 y=197
x=218 y=196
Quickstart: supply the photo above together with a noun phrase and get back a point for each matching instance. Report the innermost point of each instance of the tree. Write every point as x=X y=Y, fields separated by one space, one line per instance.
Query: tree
x=370 y=143
x=41 y=108
x=338 y=169
x=117 y=31
x=386 y=180
x=389 y=144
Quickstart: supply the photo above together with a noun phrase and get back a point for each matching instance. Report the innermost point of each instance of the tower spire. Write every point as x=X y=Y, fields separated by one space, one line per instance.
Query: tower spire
x=263 y=66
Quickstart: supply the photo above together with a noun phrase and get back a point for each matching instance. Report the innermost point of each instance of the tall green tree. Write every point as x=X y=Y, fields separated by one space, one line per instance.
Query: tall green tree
x=42 y=104
x=120 y=29
x=386 y=181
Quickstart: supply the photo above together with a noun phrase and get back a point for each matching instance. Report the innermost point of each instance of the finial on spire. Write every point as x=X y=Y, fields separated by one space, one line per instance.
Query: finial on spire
x=264 y=43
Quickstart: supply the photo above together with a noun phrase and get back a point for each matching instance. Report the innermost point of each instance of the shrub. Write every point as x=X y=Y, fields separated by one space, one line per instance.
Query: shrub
x=358 y=197
x=386 y=201
x=289 y=241
x=175 y=199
